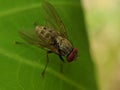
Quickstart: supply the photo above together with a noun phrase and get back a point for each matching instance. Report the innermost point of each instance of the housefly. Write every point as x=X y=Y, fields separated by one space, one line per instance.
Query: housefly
x=53 y=37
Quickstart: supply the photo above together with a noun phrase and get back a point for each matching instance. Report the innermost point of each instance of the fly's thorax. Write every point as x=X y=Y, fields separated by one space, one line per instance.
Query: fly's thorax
x=46 y=34
x=64 y=46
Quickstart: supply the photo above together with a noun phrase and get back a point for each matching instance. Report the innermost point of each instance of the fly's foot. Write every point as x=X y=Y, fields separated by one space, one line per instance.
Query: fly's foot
x=43 y=73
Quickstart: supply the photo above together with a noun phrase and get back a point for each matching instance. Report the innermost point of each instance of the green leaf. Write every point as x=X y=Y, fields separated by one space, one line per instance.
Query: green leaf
x=21 y=65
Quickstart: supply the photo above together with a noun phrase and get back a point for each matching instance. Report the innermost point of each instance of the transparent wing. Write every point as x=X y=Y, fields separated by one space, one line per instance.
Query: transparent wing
x=53 y=19
x=32 y=39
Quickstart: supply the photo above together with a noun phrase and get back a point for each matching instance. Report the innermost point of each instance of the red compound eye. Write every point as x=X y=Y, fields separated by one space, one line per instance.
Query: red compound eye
x=72 y=55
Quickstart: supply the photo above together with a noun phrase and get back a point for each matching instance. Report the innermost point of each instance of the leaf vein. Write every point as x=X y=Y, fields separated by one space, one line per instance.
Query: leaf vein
x=35 y=64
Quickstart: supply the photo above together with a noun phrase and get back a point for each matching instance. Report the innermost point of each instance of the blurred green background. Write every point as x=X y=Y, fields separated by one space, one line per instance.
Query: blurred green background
x=103 y=25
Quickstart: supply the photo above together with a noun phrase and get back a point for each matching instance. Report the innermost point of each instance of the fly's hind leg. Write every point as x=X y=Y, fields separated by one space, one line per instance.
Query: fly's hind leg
x=47 y=61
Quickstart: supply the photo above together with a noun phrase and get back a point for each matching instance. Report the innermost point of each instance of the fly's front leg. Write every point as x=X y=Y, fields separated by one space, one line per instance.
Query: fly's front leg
x=61 y=67
x=47 y=61
x=23 y=43
x=61 y=64
x=16 y=42
x=61 y=58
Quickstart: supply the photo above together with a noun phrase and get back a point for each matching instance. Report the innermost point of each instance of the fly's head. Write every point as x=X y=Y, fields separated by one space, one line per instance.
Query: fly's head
x=72 y=55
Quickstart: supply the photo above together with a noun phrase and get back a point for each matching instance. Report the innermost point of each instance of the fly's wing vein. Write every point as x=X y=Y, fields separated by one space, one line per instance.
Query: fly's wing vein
x=53 y=18
x=34 y=40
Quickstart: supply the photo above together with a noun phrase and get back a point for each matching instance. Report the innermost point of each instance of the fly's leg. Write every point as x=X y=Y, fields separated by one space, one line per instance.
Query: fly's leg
x=61 y=58
x=22 y=43
x=61 y=67
x=47 y=61
x=16 y=42
x=61 y=64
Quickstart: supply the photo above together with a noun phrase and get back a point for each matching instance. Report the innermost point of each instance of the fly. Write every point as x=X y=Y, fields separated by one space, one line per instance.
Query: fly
x=53 y=37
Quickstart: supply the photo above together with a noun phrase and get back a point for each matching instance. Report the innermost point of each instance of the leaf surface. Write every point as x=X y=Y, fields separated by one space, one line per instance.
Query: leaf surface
x=21 y=65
